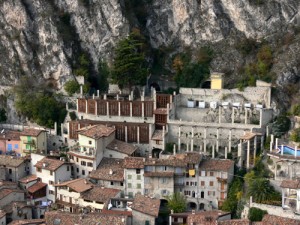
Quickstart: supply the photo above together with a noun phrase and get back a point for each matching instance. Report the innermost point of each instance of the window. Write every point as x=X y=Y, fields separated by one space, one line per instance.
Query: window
x=16 y=146
x=51 y=182
x=163 y=180
x=83 y=163
x=211 y=183
x=77 y=159
x=138 y=186
x=90 y=142
x=130 y=194
x=138 y=171
x=202 y=183
x=202 y=174
x=71 y=157
x=68 y=168
x=138 y=177
x=111 y=183
x=89 y=164
x=27 y=147
x=211 y=173
x=51 y=173
x=147 y=222
x=77 y=169
x=83 y=172
x=121 y=184
x=187 y=183
x=9 y=171
x=39 y=169
x=51 y=192
x=129 y=177
x=129 y=185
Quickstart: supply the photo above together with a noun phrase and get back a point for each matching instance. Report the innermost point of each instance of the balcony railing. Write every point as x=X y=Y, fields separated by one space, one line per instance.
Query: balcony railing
x=84 y=151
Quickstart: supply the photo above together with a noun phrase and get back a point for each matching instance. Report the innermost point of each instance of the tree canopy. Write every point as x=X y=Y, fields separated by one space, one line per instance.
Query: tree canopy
x=3 y=116
x=177 y=202
x=256 y=214
x=129 y=66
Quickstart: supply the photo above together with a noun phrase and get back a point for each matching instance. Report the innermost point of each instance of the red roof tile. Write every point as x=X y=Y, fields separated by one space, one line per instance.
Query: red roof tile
x=146 y=205
x=216 y=165
x=36 y=187
x=122 y=147
x=96 y=131
x=49 y=164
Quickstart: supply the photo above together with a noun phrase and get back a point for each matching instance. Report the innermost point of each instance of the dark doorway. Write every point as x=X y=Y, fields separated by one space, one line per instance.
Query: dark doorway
x=155 y=85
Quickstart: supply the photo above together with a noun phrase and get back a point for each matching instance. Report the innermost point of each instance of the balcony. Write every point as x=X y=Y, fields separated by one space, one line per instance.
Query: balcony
x=82 y=151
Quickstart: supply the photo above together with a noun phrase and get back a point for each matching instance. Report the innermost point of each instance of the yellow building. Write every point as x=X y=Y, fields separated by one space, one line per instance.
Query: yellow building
x=32 y=140
x=216 y=81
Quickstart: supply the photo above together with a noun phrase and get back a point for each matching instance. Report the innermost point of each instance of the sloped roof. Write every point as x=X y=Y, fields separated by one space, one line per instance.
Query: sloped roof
x=28 y=179
x=11 y=161
x=100 y=194
x=146 y=205
x=292 y=184
x=122 y=147
x=216 y=165
x=51 y=164
x=96 y=131
x=78 y=185
x=32 y=132
x=36 y=187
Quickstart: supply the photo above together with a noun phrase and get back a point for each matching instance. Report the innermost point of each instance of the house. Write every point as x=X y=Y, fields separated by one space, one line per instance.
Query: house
x=28 y=222
x=119 y=149
x=87 y=155
x=10 y=142
x=2 y=217
x=15 y=167
x=17 y=210
x=33 y=140
x=144 y=210
x=110 y=173
x=10 y=195
x=28 y=181
x=278 y=220
x=291 y=195
x=51 y=171
x=63 y=218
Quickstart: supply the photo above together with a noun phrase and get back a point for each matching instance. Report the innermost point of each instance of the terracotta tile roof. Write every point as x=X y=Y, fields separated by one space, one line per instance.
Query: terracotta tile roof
x=11 y=161
x=50 y=164
x=28 y=179
x=122 y=147
x=116 y=212
x=28 y=222
x=106 y=166
x=189 y=157
x=8 y=184
x=158 y=135
x=100 y=194
x=165 y=162
x=63 y=218
x=277 y=220
x=10 y=135
x=36 y=187
x=9 y=207
x=205 y=218
x=216 y=165
x=78 y=185
x=146 y=205
x=292 y=184
x=32 y=132
x=2 y=214
x=159 y=174
x=5 y=191
x=96 y=131
x=235 y=222
x=134 y=162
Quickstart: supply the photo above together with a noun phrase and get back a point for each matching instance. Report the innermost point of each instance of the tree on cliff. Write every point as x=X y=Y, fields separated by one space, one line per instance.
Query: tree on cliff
x=129 y=67
x=177 y=202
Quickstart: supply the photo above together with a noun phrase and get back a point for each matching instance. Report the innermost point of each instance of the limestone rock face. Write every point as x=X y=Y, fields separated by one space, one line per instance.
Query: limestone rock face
x=34 y=43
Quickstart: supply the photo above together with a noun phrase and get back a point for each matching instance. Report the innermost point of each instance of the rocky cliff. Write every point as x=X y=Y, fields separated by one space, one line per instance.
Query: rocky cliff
x=41 y=38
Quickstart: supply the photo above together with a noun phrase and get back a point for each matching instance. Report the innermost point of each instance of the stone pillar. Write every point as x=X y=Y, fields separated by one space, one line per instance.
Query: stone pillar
x=220 y=112
x=105 y=96
x=225 y=152
x=150 y=131
x=143 y=106
x=179 y=134
x=232 y=115
x=246 y=116
x=271 y=146
x=230 y=139
x=119 y=108
x=213 y=151
x=130 y=109
x=168 y=110
x=62 y=129
x=77 y=104
x=67 y=106
x=205 y=133
x=81 y=91
x=163 y=136
x=126 y=139
x=217 y=149
x=248 y=154
x=96 y=107
x=255 y=147
x=138 y=135
x=192 y=140
x=98 y=93
x=86 y=106
x=272 y=138
x=187 y=145
x=107 y=108
x=260 y=117
x=117 y=97
x=55 y=128
x=281 y=150
x=93 y=96
x=276 y=144
x=174 y=149
x=262 y=142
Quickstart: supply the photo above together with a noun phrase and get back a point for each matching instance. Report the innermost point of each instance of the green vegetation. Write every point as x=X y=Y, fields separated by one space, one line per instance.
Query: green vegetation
x=192 y=74
x=104 y=74
x=129 y=67
x=295 y=135
x=71 y=87
x=177 y=202
x=82 y=69
x=72 y=115
x=3 y=116
x=256 y=214
x=281 y=125
x=38 y=104
x=295 y=110
x=246 y=46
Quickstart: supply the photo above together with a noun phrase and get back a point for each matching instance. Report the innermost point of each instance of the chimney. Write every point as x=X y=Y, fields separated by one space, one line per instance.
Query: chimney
x=174 y=149
x=110 y=172
x=193 y=211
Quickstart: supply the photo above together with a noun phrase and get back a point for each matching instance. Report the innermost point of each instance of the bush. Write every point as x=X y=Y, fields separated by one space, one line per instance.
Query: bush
x=3 y=116
x=256 y=214
x=72 y=115
x=281 y=125
x=71 y=87
x=270 y=161
x=295 y=135
x=296 y=110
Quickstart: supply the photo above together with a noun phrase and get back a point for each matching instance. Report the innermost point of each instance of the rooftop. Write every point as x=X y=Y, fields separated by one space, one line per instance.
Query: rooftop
x=10 y=135
x=146 y=205
x=159 y=174
x=9 y=207
x=122 y=147
x=292 y=184
x=78 y=185
x=27 y=222
x=235 y=222
x=158 y=135
x=96 y=131
x=134 y=162
x=49 y=164
x=28 y=179
x=63 y=218
x=109 y=169
x=278 y=220
x=36 y=187
x=5 y=191
x=100 y=194
x=11 y=161
x=216 y=165
x=32 y=132
x=205 y=218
